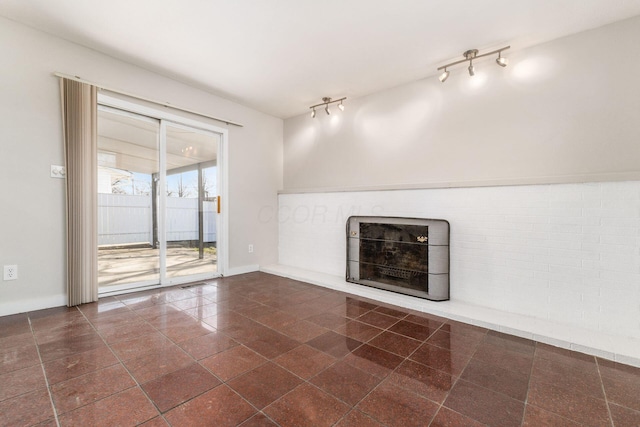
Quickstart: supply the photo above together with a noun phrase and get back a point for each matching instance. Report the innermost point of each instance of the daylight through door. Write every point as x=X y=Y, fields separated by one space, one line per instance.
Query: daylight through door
x=157 y=202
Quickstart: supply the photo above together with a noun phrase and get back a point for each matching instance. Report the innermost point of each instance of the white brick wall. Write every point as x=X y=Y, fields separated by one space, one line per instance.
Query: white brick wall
x=566 y=253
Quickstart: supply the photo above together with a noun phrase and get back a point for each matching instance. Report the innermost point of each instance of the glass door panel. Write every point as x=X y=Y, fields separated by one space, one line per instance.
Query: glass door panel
x=128 y=166
x=191 y=202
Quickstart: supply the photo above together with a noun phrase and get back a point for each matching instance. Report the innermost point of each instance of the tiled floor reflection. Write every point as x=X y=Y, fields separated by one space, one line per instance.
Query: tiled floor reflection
x=261 y=350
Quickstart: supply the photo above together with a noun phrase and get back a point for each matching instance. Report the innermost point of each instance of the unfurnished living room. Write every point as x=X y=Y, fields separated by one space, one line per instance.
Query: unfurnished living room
x=341 y=213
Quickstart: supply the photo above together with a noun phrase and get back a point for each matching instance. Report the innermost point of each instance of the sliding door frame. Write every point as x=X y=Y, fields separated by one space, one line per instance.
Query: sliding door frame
x=165 y=118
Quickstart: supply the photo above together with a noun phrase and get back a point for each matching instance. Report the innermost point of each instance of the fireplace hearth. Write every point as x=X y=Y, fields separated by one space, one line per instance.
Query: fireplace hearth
x=405 y=255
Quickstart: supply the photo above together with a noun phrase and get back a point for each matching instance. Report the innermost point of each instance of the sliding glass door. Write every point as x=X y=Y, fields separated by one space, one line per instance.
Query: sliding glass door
x=191 y=202
x=128 y=162
x=157 y=202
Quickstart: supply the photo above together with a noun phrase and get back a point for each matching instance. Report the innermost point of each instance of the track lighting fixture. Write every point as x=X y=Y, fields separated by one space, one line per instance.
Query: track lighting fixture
x=503 y=62
x=444 y=76
x=469 y=56
x=326 y=101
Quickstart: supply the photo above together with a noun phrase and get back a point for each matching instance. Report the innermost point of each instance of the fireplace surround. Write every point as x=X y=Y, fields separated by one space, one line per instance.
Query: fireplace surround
x=405 y=255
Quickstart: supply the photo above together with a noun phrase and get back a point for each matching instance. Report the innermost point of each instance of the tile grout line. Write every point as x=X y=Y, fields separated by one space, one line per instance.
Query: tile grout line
x=529 y=389
x=405 y=358
x=260 y=411
x=340 y=359
x=459 y=377
x=456 y=378
x=350 y=408
x=194 y=359
x=162 y=415
x=353 y=407
x=171 y=340
x=123 y=365
x=307 y=381
x=604 y=392
x=44 y=373
x=526 y=398
x=564 y=417
x=304 y=381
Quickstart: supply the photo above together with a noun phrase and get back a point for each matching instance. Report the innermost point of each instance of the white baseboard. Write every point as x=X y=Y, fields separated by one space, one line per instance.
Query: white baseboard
x=613 y=347
x=32 y=304
x=242 y=270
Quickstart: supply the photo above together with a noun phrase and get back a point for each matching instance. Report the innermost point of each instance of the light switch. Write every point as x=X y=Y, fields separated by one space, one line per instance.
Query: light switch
x=58 y=171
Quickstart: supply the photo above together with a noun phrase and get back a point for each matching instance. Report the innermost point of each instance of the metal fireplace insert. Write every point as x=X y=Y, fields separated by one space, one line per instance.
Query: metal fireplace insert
x=405 y=255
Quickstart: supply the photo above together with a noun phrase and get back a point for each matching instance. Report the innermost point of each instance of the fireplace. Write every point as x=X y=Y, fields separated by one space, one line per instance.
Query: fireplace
x=405 y=255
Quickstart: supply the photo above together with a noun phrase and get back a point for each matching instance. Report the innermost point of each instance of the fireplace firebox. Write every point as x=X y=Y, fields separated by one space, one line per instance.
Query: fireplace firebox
x=405 y=255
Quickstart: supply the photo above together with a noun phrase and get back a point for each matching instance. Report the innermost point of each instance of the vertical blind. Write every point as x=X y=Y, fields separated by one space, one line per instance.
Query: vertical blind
x=79 y=114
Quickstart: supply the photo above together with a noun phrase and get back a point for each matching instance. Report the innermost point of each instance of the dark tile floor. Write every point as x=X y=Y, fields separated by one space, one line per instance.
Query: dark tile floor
x=261 y=350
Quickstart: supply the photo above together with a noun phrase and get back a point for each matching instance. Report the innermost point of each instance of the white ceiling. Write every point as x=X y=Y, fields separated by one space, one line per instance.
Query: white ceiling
x=280 y=56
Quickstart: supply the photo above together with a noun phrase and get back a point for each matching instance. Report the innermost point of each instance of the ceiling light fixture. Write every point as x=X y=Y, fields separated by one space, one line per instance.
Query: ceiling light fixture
x=469 y=56
x=503 y=62
x=326 y=101
x=444 y=76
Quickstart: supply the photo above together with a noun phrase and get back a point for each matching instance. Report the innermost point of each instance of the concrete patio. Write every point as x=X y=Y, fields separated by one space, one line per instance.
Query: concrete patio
x=131 y=265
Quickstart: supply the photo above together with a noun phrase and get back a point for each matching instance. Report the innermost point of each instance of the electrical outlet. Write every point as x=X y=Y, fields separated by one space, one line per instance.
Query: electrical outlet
x=250 y=249
x=10 y=272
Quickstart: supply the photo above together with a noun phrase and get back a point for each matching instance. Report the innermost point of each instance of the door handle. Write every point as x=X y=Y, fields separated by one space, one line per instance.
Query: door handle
x=218 y=199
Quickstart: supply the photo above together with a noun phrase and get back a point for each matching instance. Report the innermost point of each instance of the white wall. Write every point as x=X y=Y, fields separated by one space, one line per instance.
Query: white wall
x=562 y=112
x=32 y=204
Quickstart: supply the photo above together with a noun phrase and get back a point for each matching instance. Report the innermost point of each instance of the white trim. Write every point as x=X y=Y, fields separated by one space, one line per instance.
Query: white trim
x=32 y=304
x=153 y=113
x=222 y=223
x=535 y=180
x=243 y=270
x=106 y=290
x=161 y=194
x=174 y=282
x=164 y=104
x=128 y=290
x=181 y=280
x=129 y=114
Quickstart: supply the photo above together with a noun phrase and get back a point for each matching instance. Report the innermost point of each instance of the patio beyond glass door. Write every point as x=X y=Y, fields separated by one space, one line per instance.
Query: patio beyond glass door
x=157 y=202
x=128 y=161
x=191 y=203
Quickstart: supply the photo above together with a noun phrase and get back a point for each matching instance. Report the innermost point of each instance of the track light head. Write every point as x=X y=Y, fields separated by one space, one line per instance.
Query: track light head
x=444 y=76
x=341 y=106
x=503 y=62
x=313 y=113
x=469 y=55
x=326 y=109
